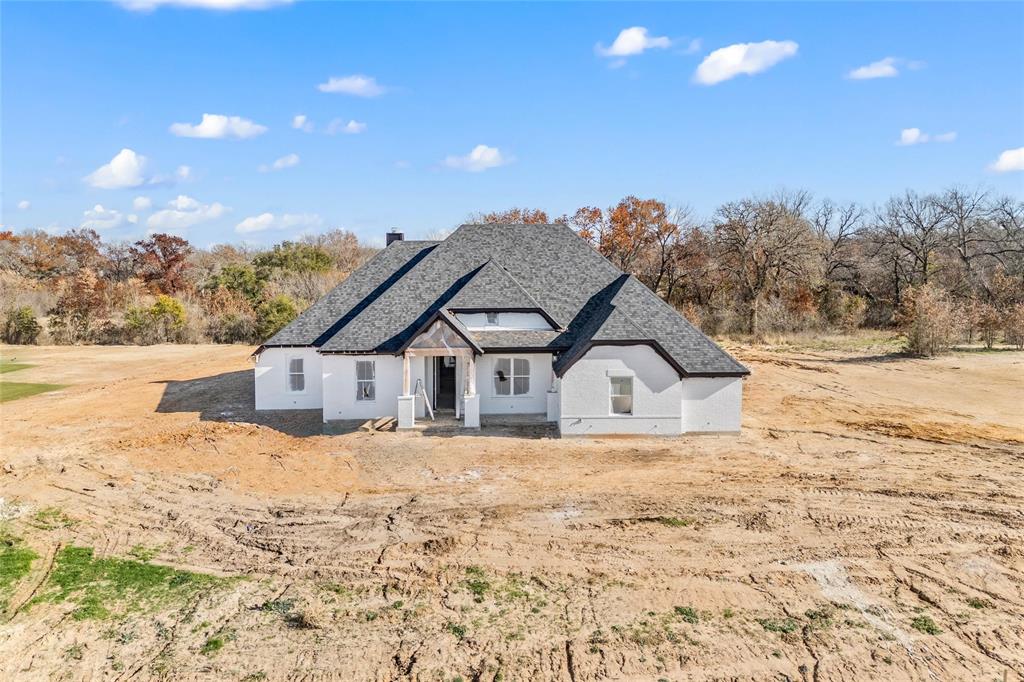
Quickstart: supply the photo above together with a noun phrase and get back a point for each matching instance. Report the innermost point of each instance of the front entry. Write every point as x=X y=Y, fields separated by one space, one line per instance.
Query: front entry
x=444 y=383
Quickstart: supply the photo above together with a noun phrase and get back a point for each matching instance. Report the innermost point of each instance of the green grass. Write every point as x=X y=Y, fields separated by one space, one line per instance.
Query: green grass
x=976 y=603
x=12 y=390
x=106 y=587
x=456 y=629
x=8 y=366
x=477 y=583
x=926 y=625
x=51 y=518
x=673 y=522
x=15 y=563
x=772 y=625
x=688 y=614
x=212 y=646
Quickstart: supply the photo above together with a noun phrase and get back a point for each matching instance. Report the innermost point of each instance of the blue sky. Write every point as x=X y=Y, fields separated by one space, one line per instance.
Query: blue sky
x=559 y=112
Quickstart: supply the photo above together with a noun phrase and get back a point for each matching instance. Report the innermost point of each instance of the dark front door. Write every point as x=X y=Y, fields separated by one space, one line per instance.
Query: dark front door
x=444 y=383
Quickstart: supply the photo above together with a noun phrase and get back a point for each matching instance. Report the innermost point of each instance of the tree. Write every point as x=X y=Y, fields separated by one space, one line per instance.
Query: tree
x=78 y=305
x=294 y=257
x=915 y=227
x=929 y=320
x=162 y=262
x=761 y=242
x=273 y=315
x=512 y=216
x=240 y=279
x=21 y=327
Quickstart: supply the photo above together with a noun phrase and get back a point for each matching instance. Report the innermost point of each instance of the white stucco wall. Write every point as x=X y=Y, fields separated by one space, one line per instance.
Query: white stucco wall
x=339 y=387
x=505 y=321
x=533 y=403
x=585 y=405
x=272 y=380
x=712 y=404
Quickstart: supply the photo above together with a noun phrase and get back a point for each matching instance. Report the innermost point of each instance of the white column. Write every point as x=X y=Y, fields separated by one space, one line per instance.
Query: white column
x=406 y=375
x=471 y=368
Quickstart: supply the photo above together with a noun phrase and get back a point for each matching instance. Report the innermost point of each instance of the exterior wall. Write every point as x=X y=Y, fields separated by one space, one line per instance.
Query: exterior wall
x=712 y=404
x=585 y=393
x=272 y=380
x=535 y=402
x=505 y=321
x=339 y=386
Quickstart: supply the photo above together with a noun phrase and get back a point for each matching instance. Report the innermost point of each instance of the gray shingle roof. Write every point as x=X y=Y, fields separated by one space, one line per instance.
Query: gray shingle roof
x=546 y=267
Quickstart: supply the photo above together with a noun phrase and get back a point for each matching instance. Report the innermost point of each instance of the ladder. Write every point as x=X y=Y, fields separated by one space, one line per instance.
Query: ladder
x=422 y=392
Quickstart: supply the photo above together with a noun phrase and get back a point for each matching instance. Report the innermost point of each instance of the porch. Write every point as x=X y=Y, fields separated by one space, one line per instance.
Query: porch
x=446 y=424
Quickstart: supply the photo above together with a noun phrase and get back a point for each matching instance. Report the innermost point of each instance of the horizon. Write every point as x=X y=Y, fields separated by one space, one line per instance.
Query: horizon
x=275 y=119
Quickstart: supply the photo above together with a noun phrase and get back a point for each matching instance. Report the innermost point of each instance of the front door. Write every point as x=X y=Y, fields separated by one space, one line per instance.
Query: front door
x=444 y=383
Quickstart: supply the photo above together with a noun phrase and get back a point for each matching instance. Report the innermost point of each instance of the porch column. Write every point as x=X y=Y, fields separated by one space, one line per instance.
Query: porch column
x=472 y=400
x=406 y=401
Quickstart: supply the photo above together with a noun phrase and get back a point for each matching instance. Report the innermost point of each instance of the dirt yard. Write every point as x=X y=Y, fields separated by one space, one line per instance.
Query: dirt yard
x=867 y=524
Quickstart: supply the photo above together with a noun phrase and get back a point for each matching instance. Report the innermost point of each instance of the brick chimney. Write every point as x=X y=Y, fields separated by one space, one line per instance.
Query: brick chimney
x=393 y=235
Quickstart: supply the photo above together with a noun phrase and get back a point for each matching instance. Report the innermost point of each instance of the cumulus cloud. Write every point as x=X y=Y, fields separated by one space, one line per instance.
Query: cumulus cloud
x=99 y=218
x=287 y=161
x=743 y=58
x=221 y=5
x=1009 y=161
x=142 y=203
x=911 y=136
x=480 y=159
x=302 y=122
x=24 y=204
x=183 y=173
x=219 y=126
x=182 y=213
x=286 y=221
x=632 y=41
x=358 y=85
x=887 y=67
x=126 y=169
x=350 y=128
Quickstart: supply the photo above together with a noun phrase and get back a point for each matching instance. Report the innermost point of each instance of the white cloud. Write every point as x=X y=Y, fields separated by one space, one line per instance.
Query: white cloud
x=883 y=68
x=743 y=58
x=142 y=203
x=340 y=126
x=910 y=136
x=219 y=126
x=1008 y=161
x=126 y=169
x=268 y=221
x=183 y=173
x=221 y=5
x=887 y=67
x=182 y=213
x=287 y=161
x=480 y=159
x=302 y=122
x=632 y=41
x=100 y=218
x=24 y=204
x=358 y=85
x=693 y=47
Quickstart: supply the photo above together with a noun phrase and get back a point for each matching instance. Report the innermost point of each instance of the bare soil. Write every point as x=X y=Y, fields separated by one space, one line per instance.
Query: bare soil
x=866 y=494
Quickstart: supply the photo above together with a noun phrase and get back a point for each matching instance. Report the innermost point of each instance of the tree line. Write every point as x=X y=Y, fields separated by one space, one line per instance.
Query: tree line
x=944 y=268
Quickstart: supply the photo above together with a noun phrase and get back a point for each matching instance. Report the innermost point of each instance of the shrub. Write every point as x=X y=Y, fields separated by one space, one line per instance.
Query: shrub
x=273 y=315
x=21 y=327
x=1013 y=326
x=160 y=323
x=929 y=320
x=232 y=328
x=989 y=323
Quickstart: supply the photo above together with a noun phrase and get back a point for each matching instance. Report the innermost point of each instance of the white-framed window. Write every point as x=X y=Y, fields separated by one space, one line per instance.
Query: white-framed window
x=296 y=375
x=366 y=381
x=620 y=390
x=492 y=319
x=511 y=376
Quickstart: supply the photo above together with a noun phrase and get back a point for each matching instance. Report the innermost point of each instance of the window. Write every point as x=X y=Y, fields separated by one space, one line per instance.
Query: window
x=492 y=318
x=296 y=375
x=366 y=381
x=511 y=376
x=621 y=390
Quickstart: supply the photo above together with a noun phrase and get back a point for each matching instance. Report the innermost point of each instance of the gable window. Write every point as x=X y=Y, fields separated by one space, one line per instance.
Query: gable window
x=511 y=376
x=492 y=318
x=296 y=375
x=621 y=392
x=366 y=380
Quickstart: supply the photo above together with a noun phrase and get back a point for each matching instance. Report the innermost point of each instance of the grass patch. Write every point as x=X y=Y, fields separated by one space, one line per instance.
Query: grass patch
x=212 y=646
x=925 y=624
x=13 y=390
x=820 y=619
x=673 y=521
x=456 y=629
x=105 y=587
x=8 y=366
x=15 y=563
x=688 y=614
x=143 y=553
x=783 y=626
x=51 y=518
x=976 y=603
x=476 y=582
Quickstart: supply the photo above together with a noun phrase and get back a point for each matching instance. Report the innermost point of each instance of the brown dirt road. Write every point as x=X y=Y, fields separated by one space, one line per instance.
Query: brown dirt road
x=863 y=493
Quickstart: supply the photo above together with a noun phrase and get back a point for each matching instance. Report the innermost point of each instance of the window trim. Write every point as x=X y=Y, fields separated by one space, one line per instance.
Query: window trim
x=512 y=377
x=373 y=365
x=288 y=374
x=612 y=378
x=487 y=320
